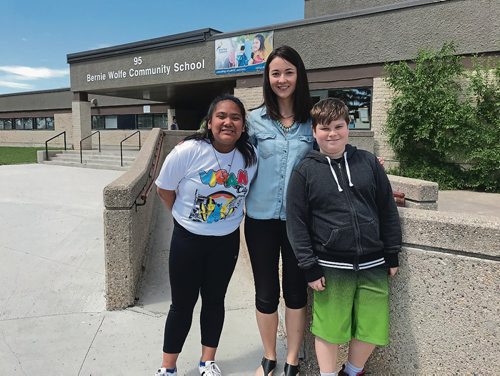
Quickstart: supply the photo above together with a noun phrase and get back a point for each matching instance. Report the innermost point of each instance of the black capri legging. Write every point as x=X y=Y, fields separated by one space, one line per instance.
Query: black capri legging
x=198 y=265
x=265 y=239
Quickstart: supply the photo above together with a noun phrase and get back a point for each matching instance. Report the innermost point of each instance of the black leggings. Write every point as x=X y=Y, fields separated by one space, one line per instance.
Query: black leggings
x=265 y=239
x=198 y=265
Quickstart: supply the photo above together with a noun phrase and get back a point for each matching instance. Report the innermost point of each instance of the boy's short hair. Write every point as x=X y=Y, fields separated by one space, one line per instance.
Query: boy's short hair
x=328 y=110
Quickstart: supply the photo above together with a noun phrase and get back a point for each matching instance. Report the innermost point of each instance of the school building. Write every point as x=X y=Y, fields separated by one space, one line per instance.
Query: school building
x=344 y=44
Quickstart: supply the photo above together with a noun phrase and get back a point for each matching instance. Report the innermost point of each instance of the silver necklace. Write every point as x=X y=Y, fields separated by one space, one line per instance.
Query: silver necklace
x=284 y=128
x=218 y=163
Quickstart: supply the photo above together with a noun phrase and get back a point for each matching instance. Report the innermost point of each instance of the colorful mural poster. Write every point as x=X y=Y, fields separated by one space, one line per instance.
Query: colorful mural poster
x=243 y=53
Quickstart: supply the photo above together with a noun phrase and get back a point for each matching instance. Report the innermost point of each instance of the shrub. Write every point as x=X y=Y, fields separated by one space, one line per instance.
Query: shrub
x=443 y=123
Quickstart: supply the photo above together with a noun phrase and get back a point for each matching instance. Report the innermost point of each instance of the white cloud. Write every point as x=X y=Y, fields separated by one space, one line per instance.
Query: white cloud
x=33 y=73
x=15 y=85
x=13 y=77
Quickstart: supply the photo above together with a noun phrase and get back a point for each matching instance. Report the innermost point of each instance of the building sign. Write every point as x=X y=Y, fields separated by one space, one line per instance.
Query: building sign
x=140 y=68
x=244 y=53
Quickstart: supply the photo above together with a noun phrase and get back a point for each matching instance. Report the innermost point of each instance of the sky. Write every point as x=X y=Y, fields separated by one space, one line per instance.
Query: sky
x=36 y=35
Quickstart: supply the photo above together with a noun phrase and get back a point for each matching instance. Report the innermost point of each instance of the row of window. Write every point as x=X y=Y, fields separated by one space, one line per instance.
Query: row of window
x=142 y=121
x=28 y=123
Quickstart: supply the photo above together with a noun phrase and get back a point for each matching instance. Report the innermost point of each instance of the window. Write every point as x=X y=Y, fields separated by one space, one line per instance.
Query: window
x=50 y=123
x=141 y=121
x=126 y=122
x=5 y=123
x=41 y=123
x=160 y=120
x=27 y=123
x=144 y=121
x=357 y=99
x=44 y=123
x=111 y=122
x=97 y=122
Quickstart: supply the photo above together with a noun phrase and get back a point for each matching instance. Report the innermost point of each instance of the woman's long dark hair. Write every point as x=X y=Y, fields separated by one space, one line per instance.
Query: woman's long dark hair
x=243 y=144
x=302 y=103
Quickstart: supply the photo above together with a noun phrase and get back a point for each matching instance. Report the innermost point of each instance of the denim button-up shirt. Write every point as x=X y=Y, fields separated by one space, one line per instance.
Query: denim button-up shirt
x=278 y=154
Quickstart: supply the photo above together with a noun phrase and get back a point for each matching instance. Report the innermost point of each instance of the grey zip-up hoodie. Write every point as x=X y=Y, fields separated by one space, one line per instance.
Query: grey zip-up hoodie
x=342 y=214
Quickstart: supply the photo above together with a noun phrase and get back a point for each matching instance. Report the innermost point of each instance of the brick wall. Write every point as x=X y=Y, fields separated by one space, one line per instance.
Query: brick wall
x=382 y=95
x=251 y=97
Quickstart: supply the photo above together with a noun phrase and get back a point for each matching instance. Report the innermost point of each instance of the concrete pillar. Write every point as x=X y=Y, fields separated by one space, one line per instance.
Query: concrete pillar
x=170 y=116
x=81 y=115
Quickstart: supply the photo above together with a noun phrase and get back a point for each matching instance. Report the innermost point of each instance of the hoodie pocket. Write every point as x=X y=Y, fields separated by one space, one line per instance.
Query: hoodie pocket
x=341 y=239
x=370 y=236
x=266 y=144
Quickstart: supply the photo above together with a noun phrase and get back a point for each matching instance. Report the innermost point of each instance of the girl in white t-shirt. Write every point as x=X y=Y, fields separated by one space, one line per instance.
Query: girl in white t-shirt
x=204 y=181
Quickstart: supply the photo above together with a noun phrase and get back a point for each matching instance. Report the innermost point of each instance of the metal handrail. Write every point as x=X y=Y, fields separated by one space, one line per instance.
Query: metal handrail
x=121 y=145
x=47 y=142
x=90 y=135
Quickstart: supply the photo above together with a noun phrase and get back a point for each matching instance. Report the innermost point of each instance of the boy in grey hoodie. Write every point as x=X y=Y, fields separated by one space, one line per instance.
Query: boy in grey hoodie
x=343 y=225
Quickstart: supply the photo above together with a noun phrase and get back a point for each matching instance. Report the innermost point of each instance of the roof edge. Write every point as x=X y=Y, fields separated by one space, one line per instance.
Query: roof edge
x=36 y=92
x=194 y=36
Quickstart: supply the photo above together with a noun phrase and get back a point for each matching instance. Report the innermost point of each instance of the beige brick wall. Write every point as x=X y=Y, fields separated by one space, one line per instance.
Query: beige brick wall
x=382 y=95
x=251 y=97
x=114 y=137
x=63 y=122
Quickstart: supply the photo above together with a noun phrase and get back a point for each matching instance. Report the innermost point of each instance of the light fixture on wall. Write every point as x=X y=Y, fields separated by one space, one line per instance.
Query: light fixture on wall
x=93 y=101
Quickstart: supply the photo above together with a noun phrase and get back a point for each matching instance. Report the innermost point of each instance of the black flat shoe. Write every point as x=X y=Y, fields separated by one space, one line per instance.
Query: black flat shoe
x=268 y=366
x=290 y=370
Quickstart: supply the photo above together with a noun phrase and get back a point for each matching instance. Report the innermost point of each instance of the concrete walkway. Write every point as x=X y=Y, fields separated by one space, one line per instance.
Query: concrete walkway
x=52 y=308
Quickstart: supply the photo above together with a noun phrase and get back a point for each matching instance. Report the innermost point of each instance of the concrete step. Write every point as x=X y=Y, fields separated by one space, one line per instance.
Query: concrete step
x=103 y=162
x=94 y=165
x=132 y=153
x=93 y=157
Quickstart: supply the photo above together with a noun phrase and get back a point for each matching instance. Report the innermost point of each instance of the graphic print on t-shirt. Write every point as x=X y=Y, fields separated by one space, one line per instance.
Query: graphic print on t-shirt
x=221 y=204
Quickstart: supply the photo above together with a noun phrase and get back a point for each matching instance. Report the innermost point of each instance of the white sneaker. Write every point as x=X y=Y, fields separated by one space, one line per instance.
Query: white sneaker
x=166 y=372
x=209 y=369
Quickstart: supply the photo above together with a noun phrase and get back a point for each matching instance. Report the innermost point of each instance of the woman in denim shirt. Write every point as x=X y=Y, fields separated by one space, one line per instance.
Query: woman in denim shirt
x=281 y=131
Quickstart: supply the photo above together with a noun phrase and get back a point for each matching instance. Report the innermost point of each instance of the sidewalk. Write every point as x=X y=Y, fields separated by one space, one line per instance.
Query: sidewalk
x=52 y=308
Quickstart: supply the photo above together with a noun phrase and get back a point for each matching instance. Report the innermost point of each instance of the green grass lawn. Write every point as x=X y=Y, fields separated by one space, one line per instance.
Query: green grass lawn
x=16 y=155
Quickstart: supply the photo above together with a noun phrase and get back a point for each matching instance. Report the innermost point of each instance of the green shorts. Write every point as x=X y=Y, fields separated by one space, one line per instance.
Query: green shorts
x=353 y=305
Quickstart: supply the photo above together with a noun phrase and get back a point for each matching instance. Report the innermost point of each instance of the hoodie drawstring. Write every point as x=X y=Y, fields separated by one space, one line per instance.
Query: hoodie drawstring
x=335 y=175
x=347 y=169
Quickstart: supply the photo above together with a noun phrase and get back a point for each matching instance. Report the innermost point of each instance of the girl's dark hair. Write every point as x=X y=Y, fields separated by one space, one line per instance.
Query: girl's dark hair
x=301 y=98
x=260 y=37
x=243 y=144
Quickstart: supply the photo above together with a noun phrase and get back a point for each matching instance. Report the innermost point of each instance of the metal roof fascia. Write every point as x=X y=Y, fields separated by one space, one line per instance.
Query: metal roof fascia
x=195 y=36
